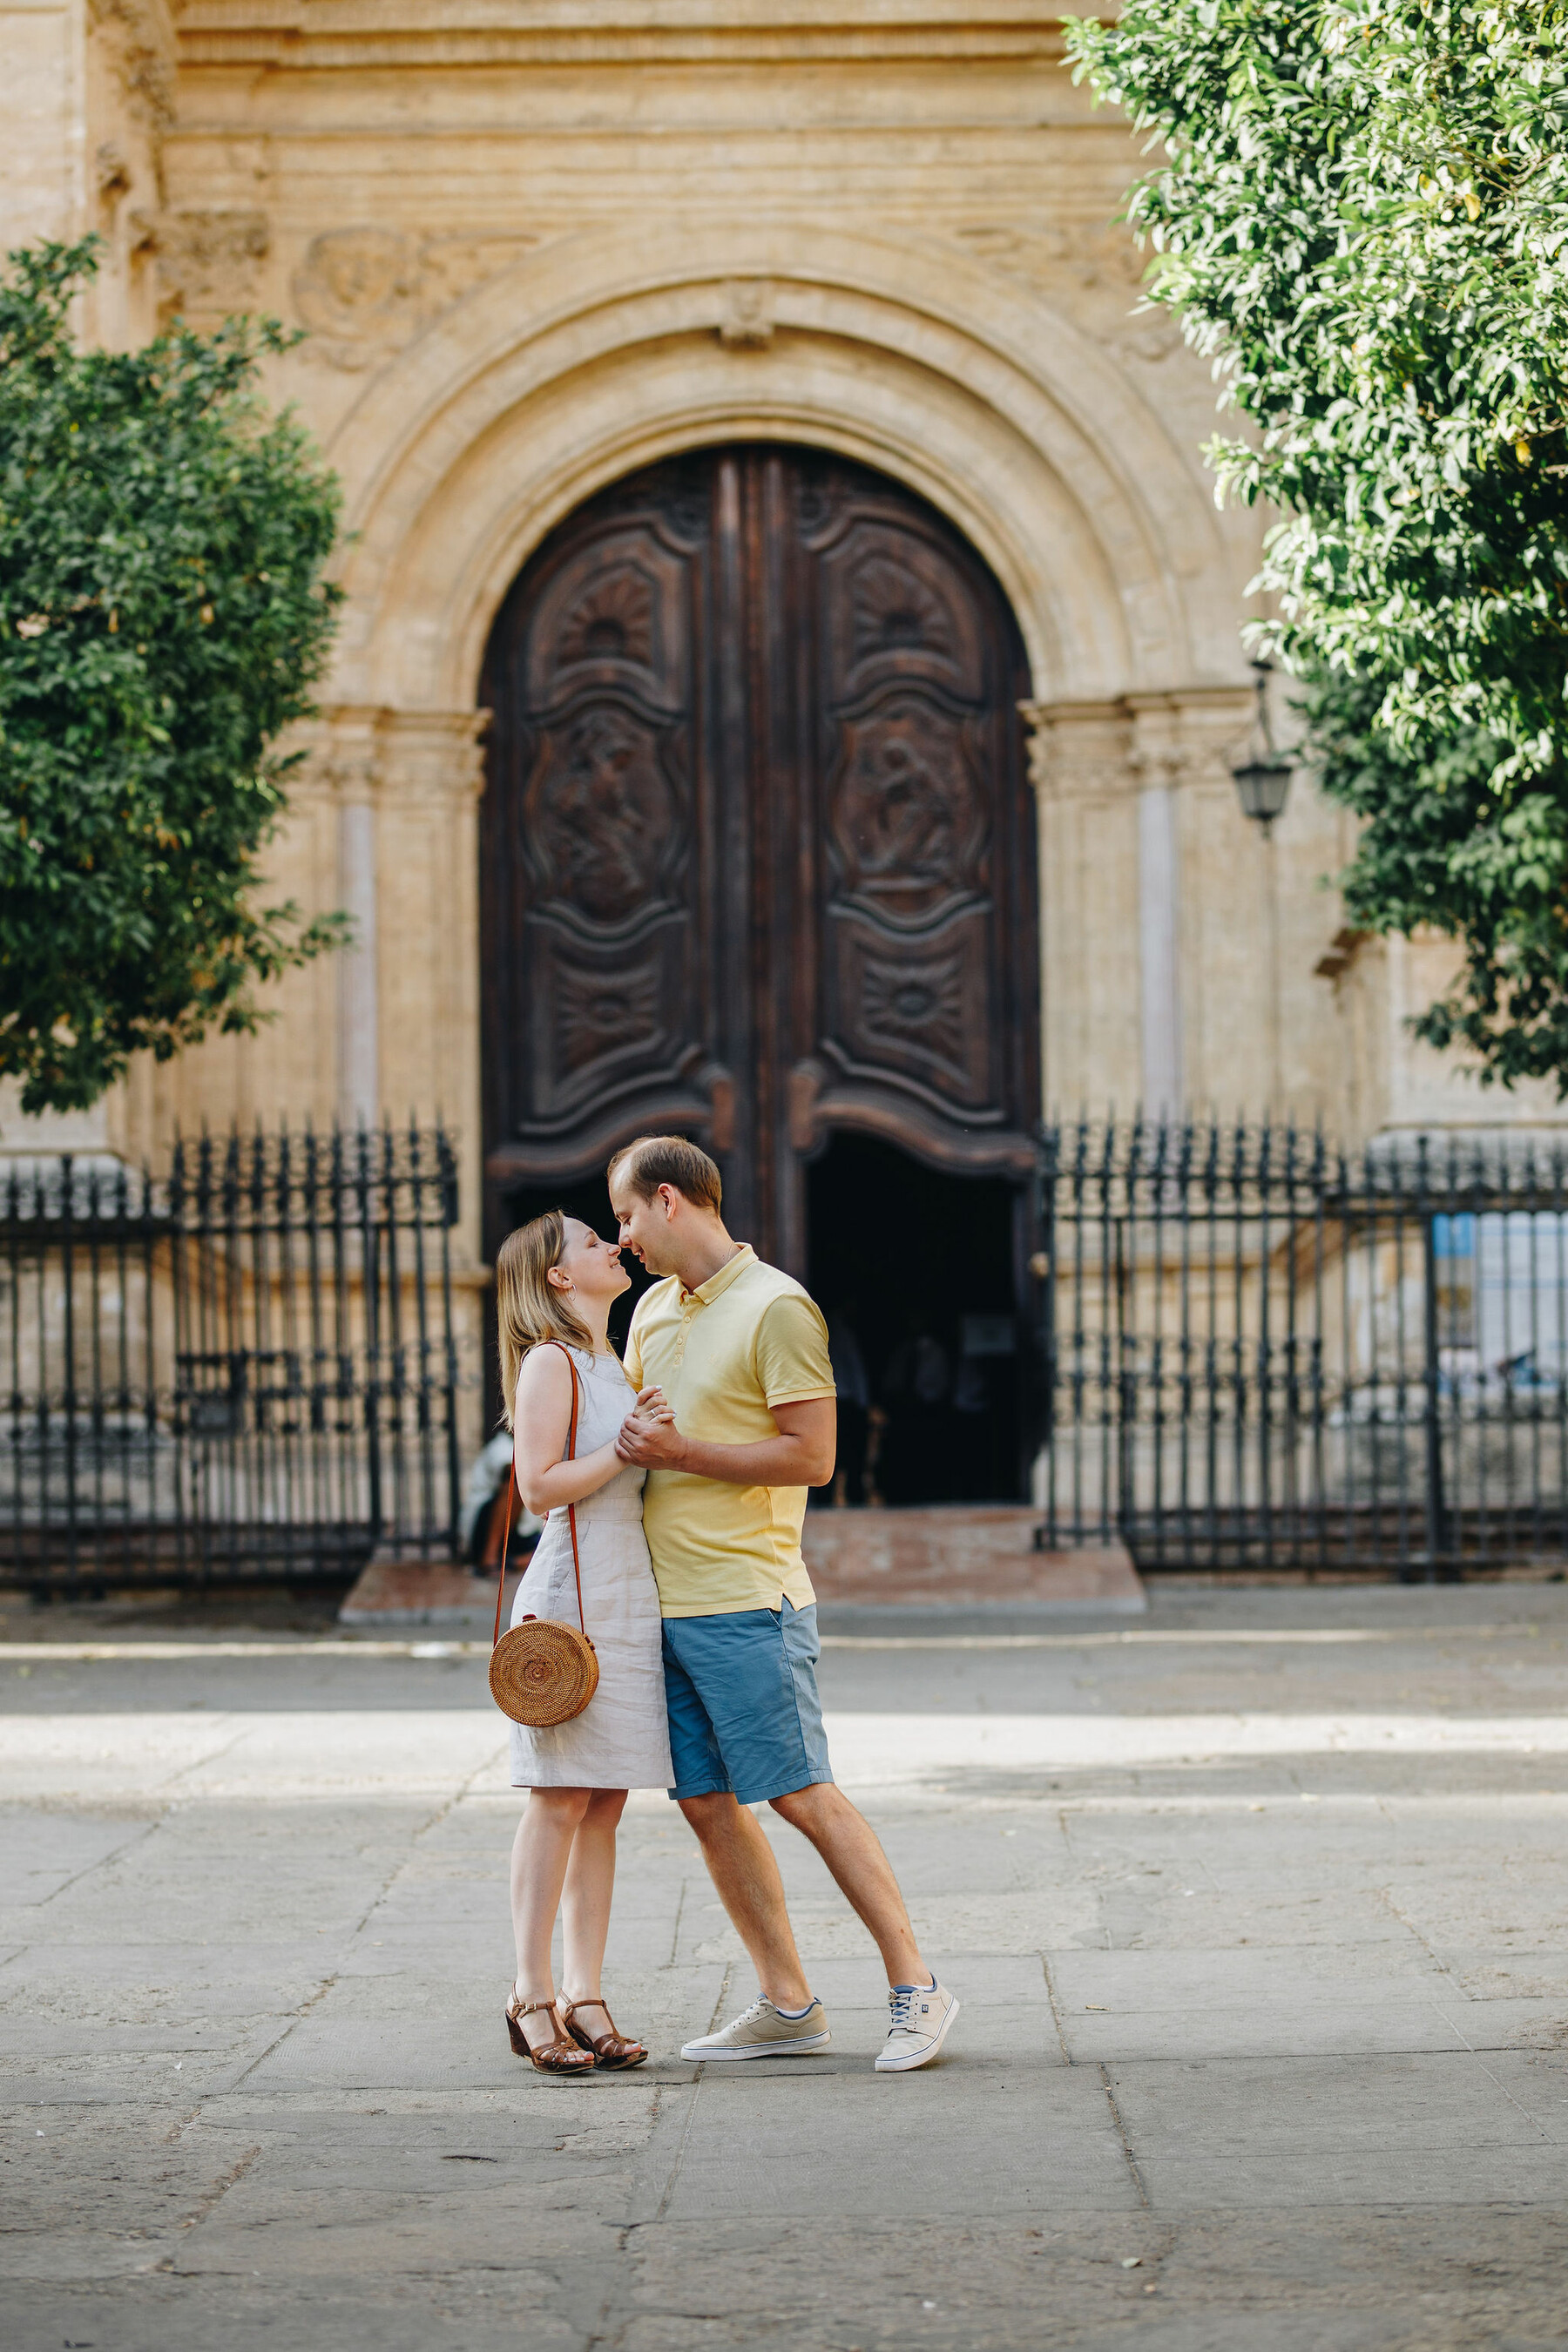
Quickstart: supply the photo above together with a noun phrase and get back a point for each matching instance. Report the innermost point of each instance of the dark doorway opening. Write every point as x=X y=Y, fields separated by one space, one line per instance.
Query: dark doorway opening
x=917 y=1273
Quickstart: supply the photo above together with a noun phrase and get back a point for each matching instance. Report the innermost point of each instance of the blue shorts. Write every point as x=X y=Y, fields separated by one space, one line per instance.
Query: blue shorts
x=743 y=1710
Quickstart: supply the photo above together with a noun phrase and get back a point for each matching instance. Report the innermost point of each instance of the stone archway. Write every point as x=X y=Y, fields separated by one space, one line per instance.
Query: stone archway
x=577 y=367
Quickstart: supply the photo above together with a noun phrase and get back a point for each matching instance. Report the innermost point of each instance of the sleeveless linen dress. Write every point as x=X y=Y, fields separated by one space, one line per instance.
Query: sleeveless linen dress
x=621 y=1739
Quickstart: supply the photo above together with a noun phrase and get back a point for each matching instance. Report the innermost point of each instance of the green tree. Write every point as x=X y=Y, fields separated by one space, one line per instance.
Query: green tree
x=163 y=615
x=1362 y=217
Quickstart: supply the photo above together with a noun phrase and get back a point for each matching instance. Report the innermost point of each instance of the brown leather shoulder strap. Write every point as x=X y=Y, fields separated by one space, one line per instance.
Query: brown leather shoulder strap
x=570 y=1455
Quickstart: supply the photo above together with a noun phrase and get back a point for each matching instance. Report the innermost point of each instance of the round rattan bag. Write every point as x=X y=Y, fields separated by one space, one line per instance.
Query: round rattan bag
x=542 y=1672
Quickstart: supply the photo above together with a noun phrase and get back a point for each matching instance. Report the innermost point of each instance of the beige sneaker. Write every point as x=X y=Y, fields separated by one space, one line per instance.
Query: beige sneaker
x=922 y=2015
x=763 y=2032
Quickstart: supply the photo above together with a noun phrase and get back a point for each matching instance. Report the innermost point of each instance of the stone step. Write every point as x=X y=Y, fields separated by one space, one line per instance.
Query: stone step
x=942 y=1556
x=961 y=1556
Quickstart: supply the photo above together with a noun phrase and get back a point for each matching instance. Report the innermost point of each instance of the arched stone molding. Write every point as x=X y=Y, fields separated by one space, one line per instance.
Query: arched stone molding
x=580 y=364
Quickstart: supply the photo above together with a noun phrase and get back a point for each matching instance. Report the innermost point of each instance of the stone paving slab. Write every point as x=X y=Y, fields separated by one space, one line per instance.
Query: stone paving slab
x=1345 y=2029
x=1202 y=2109
x=1257 y=1923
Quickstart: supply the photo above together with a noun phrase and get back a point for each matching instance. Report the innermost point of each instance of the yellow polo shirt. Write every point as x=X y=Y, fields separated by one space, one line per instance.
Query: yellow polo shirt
x=724 y=1355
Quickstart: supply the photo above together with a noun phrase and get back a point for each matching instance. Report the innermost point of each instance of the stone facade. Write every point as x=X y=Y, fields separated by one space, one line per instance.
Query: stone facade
x=534 y=248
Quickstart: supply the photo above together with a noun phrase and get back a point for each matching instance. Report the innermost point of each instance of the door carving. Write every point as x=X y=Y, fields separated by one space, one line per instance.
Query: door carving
x=758 y=851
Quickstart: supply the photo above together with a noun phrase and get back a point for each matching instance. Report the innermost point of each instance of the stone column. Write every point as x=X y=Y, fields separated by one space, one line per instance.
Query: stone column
x=1146 y=929
x=345 y=764
x=1221 y=938
x=1159 y=963
x=401 y=788
x=431 y=771
x=1090 y=1018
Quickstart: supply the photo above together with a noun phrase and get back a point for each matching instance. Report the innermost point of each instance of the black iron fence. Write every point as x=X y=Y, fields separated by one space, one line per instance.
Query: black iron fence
x=1260 y=1352
x=243 y=1366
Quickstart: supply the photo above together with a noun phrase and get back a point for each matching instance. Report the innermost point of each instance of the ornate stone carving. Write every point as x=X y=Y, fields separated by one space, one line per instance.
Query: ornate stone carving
x=357 y=752
x=112 y=172
x=209 y=263
x=746 y=313
x=1101 y=749
x=1079 y=751
x=432 y=756
x=1189 y=738
x=138 y=38
x=365 y=290
x=352 y=283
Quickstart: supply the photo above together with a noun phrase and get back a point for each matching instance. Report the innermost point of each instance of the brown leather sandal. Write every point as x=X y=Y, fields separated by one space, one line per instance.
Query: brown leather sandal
x=610 y=2049
x=564 y=2055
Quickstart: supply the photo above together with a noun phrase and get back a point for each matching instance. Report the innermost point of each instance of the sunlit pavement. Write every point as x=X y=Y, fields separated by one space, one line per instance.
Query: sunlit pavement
x=1256 y=1913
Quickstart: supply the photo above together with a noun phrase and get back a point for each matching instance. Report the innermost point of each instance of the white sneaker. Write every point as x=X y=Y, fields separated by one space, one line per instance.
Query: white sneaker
x=763 y=2032
x=922 y=2015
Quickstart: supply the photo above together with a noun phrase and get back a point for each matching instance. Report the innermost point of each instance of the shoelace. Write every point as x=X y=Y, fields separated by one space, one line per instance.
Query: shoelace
x=901 y=2001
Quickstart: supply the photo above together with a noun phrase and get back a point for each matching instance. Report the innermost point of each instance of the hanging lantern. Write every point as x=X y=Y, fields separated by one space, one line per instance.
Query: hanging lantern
x=1263 y=776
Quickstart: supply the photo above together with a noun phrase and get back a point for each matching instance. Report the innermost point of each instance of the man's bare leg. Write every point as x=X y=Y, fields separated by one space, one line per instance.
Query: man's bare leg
x=853 y=1852
x=743 y=1868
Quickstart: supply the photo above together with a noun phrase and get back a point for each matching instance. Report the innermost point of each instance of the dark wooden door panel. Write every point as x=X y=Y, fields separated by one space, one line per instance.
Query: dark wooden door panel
x=758 y=852
x=590 y=885
x=895 y=611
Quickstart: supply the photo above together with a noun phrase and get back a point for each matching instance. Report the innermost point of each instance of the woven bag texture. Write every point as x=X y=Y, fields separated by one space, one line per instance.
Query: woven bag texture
x=542 y=1673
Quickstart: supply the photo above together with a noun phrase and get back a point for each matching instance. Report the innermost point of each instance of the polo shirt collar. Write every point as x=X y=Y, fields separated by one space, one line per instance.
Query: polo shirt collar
x=718 y=1282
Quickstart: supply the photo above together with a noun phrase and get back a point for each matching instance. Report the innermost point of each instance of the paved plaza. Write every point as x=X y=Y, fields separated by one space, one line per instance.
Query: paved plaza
x=1257 y=1909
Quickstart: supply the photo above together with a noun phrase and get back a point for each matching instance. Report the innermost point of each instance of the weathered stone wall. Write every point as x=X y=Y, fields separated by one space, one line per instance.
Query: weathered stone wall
x=534 y=249
x=87 y=96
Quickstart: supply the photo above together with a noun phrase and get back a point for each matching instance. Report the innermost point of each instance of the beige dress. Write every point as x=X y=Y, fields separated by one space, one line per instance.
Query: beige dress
x=621 y=1739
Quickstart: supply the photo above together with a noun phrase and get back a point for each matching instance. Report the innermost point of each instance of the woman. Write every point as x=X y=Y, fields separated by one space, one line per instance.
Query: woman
x=555 y=1282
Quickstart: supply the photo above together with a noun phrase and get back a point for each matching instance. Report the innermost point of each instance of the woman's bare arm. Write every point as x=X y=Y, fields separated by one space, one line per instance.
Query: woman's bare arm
x=542 y=1416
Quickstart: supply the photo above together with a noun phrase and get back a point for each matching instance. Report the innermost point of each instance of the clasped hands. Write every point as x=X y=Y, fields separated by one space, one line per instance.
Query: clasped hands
x=648 y=1436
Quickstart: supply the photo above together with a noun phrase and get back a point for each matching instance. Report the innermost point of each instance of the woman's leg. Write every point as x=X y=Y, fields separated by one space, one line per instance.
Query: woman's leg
x=585 y=1899
x=541 y=1854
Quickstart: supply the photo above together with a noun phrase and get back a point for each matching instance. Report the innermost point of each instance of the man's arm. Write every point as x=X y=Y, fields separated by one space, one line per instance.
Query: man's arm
x=801 y=1454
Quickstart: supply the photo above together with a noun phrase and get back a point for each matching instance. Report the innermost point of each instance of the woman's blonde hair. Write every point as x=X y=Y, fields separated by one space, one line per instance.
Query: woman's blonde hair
x=529 y=1308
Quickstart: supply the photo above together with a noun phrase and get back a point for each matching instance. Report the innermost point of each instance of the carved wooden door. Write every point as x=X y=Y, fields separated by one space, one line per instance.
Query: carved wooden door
x=758 y=852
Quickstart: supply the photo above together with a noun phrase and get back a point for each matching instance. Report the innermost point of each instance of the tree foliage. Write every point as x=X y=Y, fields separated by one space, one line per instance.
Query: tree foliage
x=162 y=617
x=1363 y=218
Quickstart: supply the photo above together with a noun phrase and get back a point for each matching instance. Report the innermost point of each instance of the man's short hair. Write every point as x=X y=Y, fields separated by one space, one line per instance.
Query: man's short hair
x=654 y=1160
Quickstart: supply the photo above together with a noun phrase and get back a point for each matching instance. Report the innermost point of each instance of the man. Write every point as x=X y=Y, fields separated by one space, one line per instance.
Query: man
x=734 y=1420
